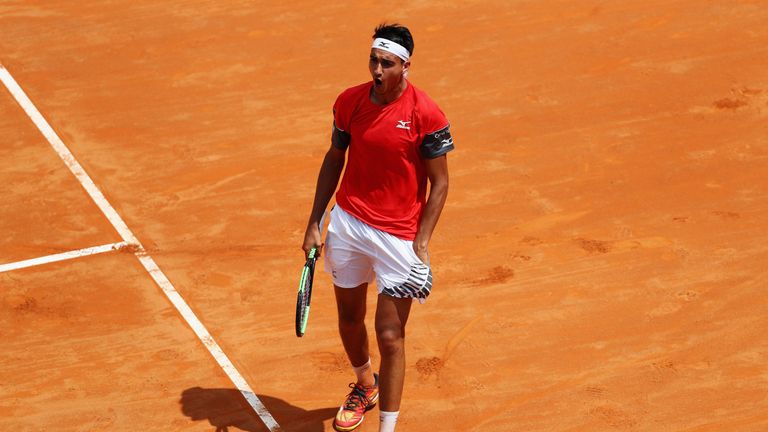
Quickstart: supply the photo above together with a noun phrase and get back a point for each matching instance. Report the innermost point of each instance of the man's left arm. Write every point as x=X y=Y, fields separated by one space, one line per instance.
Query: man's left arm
x=437 y=172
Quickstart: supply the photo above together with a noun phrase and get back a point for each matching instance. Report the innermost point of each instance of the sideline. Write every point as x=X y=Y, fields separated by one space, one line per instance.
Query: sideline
x=127 y=235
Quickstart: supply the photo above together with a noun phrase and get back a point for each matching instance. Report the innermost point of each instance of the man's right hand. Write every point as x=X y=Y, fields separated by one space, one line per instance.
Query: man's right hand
x=312 y=239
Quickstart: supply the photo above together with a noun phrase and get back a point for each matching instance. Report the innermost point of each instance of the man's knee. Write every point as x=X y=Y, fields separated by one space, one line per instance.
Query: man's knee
x=351 y=315
x=391 y=339
x=350 y=322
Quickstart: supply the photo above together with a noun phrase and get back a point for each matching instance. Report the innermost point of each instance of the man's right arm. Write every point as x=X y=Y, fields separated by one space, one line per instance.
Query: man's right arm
x=327 y=181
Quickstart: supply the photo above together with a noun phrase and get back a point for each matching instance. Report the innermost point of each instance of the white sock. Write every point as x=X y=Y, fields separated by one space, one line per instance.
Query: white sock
x=361 y=371
x=387 y=420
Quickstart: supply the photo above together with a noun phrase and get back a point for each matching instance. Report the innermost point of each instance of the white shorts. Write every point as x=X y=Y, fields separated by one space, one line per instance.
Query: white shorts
x=355 y=251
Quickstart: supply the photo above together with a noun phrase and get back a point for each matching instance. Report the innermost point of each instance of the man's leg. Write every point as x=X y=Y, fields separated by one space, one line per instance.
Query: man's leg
x=391 y=317
x=351 y=306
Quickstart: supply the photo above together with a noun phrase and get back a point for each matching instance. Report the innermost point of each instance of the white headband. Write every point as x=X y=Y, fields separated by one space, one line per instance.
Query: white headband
x=393 y=47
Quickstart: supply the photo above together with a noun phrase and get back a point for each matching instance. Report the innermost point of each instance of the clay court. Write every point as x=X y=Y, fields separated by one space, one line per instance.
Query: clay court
x=600 y=264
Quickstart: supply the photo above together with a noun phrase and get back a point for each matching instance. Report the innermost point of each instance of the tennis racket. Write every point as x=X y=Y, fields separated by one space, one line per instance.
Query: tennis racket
x=305 y=288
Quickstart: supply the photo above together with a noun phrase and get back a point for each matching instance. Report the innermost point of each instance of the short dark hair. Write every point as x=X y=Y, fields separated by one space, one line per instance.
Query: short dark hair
x=396 y=33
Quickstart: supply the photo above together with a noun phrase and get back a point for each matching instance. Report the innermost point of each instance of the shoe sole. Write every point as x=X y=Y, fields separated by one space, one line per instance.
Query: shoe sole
x=357 y=425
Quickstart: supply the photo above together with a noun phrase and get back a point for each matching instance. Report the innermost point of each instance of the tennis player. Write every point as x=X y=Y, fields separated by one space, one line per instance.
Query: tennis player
x=396 y=138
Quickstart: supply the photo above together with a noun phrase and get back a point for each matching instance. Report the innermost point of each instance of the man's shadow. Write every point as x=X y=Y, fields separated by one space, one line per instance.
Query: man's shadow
x=227 y=408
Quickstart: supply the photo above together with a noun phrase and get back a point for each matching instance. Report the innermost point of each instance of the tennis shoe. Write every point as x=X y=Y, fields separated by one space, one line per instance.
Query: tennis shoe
x=359 y=400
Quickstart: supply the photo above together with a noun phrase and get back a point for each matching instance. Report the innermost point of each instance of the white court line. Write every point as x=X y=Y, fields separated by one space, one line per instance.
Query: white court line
x=128 y=237
x=62 y=256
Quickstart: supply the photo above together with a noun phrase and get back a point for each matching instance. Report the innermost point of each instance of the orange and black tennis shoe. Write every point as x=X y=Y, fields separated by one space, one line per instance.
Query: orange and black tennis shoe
x=359 y=400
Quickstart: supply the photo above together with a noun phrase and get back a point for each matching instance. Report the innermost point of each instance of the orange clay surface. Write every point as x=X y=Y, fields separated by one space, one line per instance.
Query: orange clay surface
x=600 y=264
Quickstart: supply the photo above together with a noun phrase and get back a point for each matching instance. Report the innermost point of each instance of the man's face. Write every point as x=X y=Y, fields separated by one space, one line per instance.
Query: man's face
x=386 y=70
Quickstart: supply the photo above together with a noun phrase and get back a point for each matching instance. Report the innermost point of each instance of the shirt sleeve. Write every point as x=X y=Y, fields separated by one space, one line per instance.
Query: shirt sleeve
x=340 y=136
x=437 y=139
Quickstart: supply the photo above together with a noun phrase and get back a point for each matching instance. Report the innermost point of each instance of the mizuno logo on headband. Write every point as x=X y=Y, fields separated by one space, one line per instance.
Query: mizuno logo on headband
x=393 y=47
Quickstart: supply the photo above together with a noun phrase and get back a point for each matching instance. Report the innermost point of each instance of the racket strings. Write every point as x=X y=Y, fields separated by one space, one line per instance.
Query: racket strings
x=305 y=293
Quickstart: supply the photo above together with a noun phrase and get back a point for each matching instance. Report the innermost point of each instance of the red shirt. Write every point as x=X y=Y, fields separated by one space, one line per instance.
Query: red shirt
x=385 y=182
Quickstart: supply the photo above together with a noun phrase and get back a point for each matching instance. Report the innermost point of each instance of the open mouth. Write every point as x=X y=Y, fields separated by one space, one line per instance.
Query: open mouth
x=377 y=81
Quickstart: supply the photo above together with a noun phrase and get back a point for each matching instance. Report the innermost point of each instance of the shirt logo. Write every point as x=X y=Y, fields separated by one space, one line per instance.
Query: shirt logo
x=446 y=142
x=403 y=125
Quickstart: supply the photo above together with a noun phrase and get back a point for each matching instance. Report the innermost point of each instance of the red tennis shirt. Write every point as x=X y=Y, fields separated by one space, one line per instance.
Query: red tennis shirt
x=385 y=182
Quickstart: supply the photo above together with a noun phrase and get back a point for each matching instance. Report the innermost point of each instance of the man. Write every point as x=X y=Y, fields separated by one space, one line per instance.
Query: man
x=397 y=139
